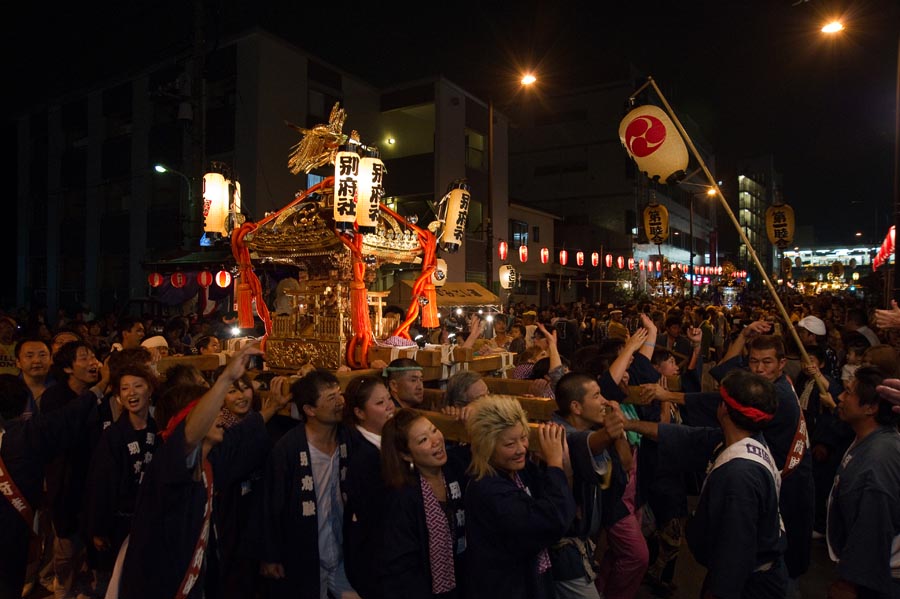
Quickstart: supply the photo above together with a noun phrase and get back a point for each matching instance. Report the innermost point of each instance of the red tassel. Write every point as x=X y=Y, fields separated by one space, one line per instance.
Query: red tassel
x=429 y=310
x=245 y=306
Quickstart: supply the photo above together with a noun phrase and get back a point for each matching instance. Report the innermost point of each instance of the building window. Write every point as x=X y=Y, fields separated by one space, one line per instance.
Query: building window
x=518 y=233
x=536 y=234
x=476 y=156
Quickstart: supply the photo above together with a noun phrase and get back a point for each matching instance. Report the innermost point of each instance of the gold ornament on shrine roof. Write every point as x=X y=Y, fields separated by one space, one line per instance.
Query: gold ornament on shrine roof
x=319 y=144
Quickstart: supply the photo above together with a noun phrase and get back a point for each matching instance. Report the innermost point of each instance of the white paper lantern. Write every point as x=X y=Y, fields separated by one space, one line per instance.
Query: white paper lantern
x=651 y=139
x=215 y=203
x=346 y=187
x=454 y=215
x=370 y=191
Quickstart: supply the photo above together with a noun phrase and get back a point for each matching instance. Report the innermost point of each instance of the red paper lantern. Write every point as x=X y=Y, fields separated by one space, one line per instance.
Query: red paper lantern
x=595 y=259
x=178 y=280
x=523 y=253
x=545 y=255
x=223 y=278
x=563 y=257
x=502 y=250
x=155 y=279
x=658 y=266
x=620 y=262
x=204 y=278
x=642 y=264
x=579 y=258
x=609 y=261
x=718 y=270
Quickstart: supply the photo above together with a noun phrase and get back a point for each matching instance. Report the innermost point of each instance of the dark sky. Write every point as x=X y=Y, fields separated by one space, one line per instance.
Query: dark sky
x=755 y=74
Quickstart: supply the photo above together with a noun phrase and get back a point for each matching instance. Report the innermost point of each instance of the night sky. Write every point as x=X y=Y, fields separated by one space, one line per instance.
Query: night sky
x=757 y=75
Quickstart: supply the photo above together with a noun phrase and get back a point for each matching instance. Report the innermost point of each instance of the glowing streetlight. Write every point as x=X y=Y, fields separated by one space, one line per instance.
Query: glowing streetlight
x=833 y=27
x=528 y=79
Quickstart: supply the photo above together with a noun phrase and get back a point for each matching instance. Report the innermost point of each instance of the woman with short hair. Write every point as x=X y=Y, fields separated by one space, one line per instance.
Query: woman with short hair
x=516 y=509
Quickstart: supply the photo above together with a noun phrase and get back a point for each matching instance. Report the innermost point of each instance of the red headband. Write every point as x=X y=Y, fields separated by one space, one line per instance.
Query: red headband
x=177 y=418
x=747 y=411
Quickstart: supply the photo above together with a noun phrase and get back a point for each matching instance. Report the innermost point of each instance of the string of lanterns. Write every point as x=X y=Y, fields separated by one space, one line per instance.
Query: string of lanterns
x=179 y=279
x=619 y=261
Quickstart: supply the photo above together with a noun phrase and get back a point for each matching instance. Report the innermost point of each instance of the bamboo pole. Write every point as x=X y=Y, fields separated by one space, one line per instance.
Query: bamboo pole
x=823 y=389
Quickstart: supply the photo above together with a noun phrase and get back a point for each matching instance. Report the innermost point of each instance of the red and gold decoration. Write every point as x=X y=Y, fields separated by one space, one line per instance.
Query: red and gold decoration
x=650 y=138
x=178 y=279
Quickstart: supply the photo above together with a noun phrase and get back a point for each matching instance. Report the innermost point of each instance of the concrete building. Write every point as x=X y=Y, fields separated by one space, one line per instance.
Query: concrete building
x=759 y=186
x=91 y=209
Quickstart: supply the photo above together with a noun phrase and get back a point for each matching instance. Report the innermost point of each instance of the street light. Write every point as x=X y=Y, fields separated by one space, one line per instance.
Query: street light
x=835 y=27
x=527 y=80
x=161 y=168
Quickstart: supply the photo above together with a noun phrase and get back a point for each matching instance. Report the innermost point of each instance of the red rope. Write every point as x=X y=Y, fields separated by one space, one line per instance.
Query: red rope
x=359 y=304
x=249 y=288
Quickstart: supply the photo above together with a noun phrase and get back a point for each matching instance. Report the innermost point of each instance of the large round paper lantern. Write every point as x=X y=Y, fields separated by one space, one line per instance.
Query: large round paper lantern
x=595 y=259
x=545 y=255
x=502 y=250
x=155 y=279
x=579 y=258
x=346 y=186
x=454 y=215
x=507 y=276
x=215 y=203
x=620 y=262
x=651 y=139
x=370 y=191
x=223 y=278
x=609 y=261
x=523 y=253
x=563 y=257
x=204 y=278
x=178 y=280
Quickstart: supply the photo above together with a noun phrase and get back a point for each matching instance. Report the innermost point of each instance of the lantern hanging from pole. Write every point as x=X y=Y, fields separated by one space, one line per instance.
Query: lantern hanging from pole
x=346 y=186
x=780 y=225
x=545 y=255
x=155 y=279
x=454 y=215
x=178 y=279
x=523 y=253
x=370 y=190
x=719 y=270
x=579 y=258
x=609 y=261
x=204 y=279
x=595 y=259
x=651 y=139
x=656 y=223
x=223 y=278
x=641 y=264
x=658 y=266
x=215 y=203
x=507 y=276
x=620 y=262
x=563 y=257
x=502 y=250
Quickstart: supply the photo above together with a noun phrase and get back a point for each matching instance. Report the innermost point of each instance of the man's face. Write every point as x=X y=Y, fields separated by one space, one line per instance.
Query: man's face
x=499 y=325
x=60 y=340
x=85 y=369
x=133 y=336
x=674 y=330
x=329 y=408
x=408 y=388
x=806 y=337
x=765 y=363
x=849 y=408
x=34 y=359
x=593 y=405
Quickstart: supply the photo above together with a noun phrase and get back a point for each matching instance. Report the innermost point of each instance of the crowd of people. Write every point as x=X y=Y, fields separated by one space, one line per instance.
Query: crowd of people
x=123 y=481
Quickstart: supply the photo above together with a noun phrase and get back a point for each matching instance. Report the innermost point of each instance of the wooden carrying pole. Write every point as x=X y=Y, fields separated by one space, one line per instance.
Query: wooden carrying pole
x=823 y=389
